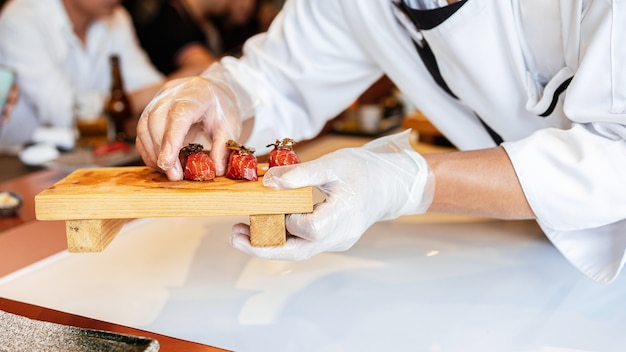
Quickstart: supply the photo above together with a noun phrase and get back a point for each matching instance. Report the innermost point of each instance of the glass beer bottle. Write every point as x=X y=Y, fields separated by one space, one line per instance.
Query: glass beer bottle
x=118 y=106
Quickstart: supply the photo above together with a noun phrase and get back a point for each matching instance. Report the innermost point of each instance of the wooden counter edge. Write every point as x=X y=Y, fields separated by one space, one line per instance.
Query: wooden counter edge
x=35 y=312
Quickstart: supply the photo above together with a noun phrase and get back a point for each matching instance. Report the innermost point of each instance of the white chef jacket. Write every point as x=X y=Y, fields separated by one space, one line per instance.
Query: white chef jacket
x=37 y=40
x=503 y=59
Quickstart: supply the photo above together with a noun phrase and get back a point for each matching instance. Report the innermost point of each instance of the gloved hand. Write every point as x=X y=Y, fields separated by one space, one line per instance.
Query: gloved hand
x=203 y=109
x=382 y=180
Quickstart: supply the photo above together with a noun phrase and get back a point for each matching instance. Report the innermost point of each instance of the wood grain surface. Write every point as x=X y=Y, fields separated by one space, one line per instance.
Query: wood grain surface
x=142 y=192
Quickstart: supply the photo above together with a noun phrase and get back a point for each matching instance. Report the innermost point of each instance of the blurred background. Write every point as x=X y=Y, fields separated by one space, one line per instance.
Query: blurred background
x=180 y=38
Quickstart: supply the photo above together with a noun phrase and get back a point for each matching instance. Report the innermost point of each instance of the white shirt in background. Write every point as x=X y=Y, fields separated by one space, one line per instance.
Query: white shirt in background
x=53 y=67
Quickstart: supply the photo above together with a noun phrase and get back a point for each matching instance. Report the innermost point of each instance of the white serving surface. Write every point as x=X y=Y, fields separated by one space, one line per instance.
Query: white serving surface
x=412 y=284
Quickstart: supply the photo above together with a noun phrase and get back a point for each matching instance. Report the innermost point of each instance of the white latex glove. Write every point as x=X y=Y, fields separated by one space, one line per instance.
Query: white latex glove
x=382 y=180
x=203 y=108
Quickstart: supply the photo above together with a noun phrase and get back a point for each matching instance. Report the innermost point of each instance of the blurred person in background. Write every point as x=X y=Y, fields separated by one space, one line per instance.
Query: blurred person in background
x=173 y=33
x=235 y=26
x=183 y=37
x=266 y=12
x=9 y=104
x=60 y=51
x=245 y=19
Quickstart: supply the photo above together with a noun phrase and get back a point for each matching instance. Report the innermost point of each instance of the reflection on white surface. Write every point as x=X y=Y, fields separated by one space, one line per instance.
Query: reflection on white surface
x=432 y=253
x=406 y=286
x=276 y=282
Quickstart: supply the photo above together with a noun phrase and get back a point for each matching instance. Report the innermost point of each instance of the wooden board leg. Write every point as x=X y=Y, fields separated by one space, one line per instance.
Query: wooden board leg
x=267 y=230
x=91 y=235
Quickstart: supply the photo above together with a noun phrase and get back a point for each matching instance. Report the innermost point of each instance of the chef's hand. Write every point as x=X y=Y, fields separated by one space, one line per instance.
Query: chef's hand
x=203 y=108
x=382 y=180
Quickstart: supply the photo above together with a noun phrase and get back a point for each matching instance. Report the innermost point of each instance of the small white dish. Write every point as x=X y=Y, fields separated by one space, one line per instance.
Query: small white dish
x=39 y=154
x=10 y=203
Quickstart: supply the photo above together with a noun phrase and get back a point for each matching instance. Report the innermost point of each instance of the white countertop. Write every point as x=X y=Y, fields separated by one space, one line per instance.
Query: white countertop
x=420 y=283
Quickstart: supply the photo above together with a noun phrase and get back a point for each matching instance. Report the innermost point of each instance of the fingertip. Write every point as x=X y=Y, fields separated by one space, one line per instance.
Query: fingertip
x=283 y=177
x=270 y=181
x=220 y=167
x=164 y=164
x=241 y=228
x=165 y=160
x=239 y=240
x=240 y=236
x=174 y=173
x=219 y=155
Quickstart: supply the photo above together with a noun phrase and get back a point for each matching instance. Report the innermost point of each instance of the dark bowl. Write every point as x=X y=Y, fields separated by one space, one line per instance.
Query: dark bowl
x=9 y=203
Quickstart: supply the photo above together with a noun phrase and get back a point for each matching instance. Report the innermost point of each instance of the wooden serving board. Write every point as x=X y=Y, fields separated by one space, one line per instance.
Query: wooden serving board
x=97 y=202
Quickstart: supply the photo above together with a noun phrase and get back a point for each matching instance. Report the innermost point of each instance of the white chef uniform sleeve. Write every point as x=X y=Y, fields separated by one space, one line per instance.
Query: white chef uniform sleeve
x=576 y=189
x=305 y=70
x=575 y=179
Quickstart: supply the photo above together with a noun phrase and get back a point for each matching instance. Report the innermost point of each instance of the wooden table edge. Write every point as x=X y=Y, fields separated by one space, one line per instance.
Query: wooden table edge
x=40 y=313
